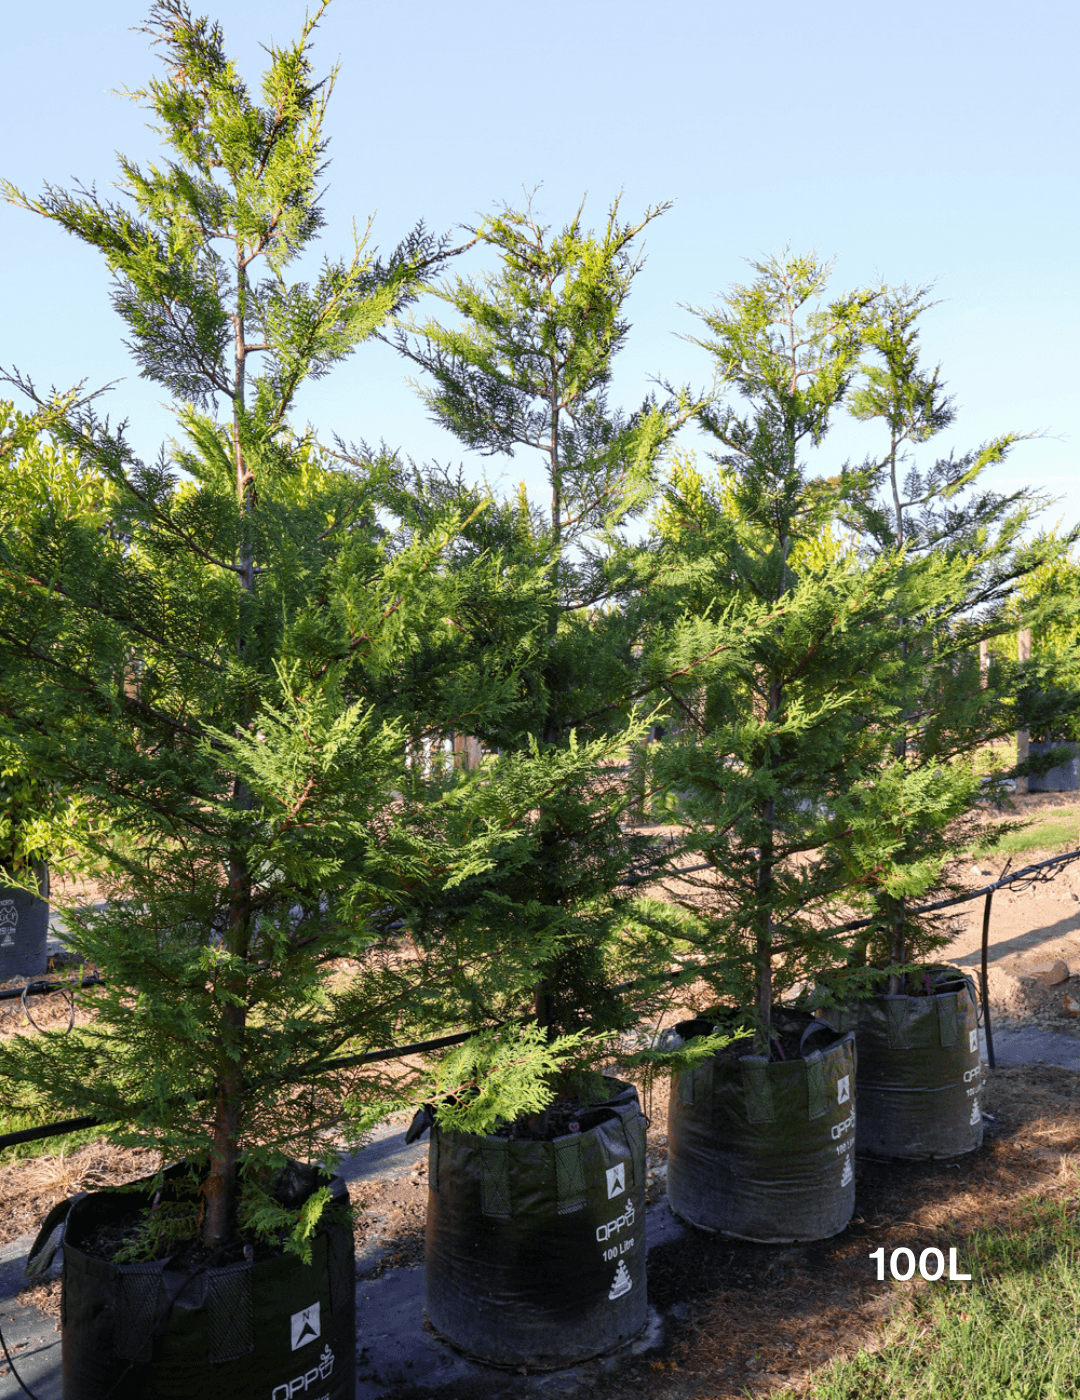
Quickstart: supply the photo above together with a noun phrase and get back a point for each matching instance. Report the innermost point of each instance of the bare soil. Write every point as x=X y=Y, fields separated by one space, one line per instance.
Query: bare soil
x=1031 y=930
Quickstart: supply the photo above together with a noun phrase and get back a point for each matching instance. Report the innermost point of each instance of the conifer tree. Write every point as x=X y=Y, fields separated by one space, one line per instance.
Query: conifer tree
x=526 y=367
x=772 y=644
x=967 y=554
x=212 y=656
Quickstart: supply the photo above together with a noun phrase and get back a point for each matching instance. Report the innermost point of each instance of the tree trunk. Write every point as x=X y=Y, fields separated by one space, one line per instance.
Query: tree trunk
x=763 y=937
x=220 y=1188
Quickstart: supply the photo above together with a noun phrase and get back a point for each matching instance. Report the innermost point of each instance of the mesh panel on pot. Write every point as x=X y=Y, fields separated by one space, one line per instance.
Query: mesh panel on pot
x=341 y=1269
x=898 y=1022
x=138 y=1292
x=231 y=1317
x=948 y=1029
x=495 y=1179
x=569 y=1177
x=758 y=1090
x=816 y=1098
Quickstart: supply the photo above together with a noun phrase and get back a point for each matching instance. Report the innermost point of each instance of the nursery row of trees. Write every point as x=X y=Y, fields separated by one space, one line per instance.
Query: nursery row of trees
x=234 y=656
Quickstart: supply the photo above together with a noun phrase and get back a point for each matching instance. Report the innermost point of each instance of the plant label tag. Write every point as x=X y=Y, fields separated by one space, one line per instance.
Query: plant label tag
x=616 y=1180
x=305 y=1326
x=843 y=1089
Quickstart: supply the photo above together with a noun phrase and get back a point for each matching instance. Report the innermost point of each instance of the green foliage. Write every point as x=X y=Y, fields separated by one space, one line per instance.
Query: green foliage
x=218 y=652
x=1055 y=639
x=471 y=1084
x=966 y=559
x=769 y=644
x=526 y=365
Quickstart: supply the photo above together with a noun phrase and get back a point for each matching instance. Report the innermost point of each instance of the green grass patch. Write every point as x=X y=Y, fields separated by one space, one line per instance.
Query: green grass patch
x=1058 y=828
x=1009 y=1334
x=42 y=1147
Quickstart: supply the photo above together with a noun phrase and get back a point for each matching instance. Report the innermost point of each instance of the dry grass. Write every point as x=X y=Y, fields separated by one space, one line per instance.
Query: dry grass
x=30 y=1189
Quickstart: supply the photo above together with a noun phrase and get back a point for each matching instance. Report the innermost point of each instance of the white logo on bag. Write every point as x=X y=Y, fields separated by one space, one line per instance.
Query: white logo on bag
x=843 y=1089
x=9 y=922
x=839 y=1129
x=616 y=1180
x=305 y=1327
x=299 y=1384
x=973 y=1041
x=622 y=1283
x=847 y=1174
x=605 y=1232
x=976 y=1114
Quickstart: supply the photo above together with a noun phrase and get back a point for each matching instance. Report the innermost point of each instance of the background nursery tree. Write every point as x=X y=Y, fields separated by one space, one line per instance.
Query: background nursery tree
x=197 y=655
x=968 y=560
x=772 y=642
x=528 y=365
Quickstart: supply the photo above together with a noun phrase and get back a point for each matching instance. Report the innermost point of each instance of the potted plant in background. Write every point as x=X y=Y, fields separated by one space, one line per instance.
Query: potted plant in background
x=245 y=777
x=765 y=743
x=25 y=804
x=535 y=1247
x=965 y=557
x=36 y=814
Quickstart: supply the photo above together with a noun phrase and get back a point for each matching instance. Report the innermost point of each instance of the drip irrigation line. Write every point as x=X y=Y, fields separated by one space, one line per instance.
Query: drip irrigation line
x=74 y=1125
x=42 y=988
x=1028 y=871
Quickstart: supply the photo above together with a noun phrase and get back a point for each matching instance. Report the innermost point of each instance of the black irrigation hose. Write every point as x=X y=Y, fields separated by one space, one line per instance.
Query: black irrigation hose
x=42 y=988
x=971 y=894
x=15 y=1373
x=74 y=1125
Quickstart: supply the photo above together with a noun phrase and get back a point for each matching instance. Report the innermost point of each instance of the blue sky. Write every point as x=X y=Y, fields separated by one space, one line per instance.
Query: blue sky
x=933 y=142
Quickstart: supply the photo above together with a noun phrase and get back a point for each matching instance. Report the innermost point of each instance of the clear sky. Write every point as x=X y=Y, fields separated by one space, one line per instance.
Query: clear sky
x=930 y=142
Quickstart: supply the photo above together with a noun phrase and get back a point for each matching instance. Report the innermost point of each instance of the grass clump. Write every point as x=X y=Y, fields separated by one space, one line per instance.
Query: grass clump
x=1054 y=829
x=42 y=1147
x=1009 y=1334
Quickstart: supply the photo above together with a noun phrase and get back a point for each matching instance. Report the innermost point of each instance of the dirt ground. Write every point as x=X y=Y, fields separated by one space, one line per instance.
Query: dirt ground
x=1031 y=930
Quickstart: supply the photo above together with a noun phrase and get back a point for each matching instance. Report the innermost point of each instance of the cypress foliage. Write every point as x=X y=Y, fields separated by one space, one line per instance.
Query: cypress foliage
x=213 y=653
x=968 y=554
x=773 y=642
x=526 y=365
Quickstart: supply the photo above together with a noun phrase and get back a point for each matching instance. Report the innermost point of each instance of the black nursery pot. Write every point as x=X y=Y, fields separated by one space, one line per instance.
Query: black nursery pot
x=24 y=929
x=920 y=1074
x=536 y=1250
x=762 y=1149
x=273 y=1330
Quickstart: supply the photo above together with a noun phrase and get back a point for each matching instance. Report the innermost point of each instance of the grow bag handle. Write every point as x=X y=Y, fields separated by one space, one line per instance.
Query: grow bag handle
x=812 y=1029
x=49 y=1237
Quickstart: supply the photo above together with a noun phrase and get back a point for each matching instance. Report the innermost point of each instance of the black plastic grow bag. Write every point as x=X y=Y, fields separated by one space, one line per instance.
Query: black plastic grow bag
x=269 y=1330
x=536 y=1250
x=764 y=1149
x=920 y=1075
x=24 y=929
